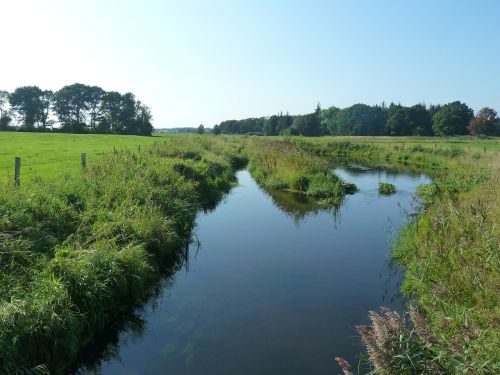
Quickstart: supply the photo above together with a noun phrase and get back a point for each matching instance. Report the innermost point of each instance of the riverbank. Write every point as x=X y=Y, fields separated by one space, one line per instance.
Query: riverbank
x=450 y=253
x=78 y=252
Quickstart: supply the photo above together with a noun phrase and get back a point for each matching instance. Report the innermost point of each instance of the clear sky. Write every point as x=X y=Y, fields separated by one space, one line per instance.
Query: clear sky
x=205 y=61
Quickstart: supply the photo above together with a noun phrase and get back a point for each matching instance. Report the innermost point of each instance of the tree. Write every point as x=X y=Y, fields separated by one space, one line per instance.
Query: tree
x=397 y=121
x=328 y=118
x=31 y=105
x=5 y=119
x=127 y=115
x=216 y=130
x=484 y=122
x=413 y=120
x=46 y=101
x=110 y=113
x=95 y=94
x=420 y=120
x=308 y=125
x=4 y=101
x=452 y=119
x=361 y=119
x=143 y=119
x=201 y=129
x=71 y=105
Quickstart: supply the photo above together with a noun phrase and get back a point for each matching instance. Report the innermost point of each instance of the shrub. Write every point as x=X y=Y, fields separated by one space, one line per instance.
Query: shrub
x=386 y=188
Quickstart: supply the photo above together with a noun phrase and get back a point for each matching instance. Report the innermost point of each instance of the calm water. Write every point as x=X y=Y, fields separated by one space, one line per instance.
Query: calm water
x=275 y=287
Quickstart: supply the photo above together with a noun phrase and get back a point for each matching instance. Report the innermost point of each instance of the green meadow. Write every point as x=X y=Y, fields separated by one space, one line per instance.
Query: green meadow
x=49 y=154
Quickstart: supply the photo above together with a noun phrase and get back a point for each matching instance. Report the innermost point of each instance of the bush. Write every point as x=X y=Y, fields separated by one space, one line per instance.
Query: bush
x=386 y=188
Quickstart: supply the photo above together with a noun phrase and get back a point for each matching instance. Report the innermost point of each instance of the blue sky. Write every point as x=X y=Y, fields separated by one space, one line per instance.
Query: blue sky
x=204 y=62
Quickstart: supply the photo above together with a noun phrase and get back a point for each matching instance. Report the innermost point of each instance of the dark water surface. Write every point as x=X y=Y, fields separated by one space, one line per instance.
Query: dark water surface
x=276 y=286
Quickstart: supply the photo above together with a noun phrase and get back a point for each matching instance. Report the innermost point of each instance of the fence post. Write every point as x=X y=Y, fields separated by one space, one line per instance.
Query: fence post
x=84 y=160
x=17 y=172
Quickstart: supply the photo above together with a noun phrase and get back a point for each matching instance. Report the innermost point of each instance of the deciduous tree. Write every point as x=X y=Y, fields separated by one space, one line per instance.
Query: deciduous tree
x=484 y=122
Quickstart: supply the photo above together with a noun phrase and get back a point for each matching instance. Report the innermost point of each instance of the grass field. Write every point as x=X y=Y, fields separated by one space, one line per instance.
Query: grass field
x=46 y=154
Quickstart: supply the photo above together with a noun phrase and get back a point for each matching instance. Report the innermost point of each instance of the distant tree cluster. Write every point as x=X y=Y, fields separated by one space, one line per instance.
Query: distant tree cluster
x=76 y=108
x=454 y=118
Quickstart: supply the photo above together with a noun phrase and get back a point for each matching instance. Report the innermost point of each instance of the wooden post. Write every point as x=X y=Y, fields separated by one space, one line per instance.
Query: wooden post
x=17 y=172
x=84 y=160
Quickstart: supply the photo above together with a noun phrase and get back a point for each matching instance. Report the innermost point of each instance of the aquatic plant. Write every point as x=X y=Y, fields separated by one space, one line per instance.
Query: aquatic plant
x=386 y=188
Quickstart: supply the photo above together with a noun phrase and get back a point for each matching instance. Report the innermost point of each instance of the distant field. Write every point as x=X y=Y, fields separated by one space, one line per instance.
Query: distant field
x=466 y=142
x=46 y=154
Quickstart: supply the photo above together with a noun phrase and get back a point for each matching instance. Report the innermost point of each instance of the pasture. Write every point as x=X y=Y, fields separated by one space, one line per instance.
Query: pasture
x=53 y=154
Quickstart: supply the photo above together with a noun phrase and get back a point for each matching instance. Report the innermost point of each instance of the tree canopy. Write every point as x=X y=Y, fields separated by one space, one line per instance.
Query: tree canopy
x=452 y=119
x=76 y=108
x=362 y=119
x=484 y=122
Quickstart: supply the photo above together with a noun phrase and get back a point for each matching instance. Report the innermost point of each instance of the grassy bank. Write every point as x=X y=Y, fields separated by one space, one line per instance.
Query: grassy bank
x=78 y=251
x=451 y=255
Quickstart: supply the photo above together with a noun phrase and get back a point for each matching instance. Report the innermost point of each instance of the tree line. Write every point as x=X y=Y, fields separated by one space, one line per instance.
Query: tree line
x=455 y=118
x=75 y=108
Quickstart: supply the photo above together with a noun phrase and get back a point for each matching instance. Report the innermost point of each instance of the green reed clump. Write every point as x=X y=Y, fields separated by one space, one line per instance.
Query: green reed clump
x=77 y=253
x=294 y=166
x=386 y=188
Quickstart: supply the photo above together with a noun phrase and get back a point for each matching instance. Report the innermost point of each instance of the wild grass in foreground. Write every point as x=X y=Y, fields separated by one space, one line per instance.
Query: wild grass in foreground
x=78 y=252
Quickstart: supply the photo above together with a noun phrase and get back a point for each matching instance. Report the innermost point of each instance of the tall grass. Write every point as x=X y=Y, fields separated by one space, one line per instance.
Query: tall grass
x=294 y=166
x=451 y=254
x=78 y=252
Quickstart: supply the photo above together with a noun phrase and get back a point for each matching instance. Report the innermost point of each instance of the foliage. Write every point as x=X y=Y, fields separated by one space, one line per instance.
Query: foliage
x=31 y=106
x=386 y=188
x=287 y=165
x=77 y=252
x=80 y=109
x=360 y=119
x=396 y=346
x=363 y=120
x=484 y=122
x=451 y=255
x=414 y=120
x=452 y=119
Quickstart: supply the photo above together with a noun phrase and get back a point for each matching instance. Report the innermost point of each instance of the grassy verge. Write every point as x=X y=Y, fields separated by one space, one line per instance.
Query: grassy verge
x=77 y=252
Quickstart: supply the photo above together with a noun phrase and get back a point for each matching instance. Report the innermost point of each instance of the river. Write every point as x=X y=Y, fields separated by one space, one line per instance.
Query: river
x=274 y=284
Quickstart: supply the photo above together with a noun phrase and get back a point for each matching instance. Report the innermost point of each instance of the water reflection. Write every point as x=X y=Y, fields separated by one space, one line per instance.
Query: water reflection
x=263 y=295
x=300 y=206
